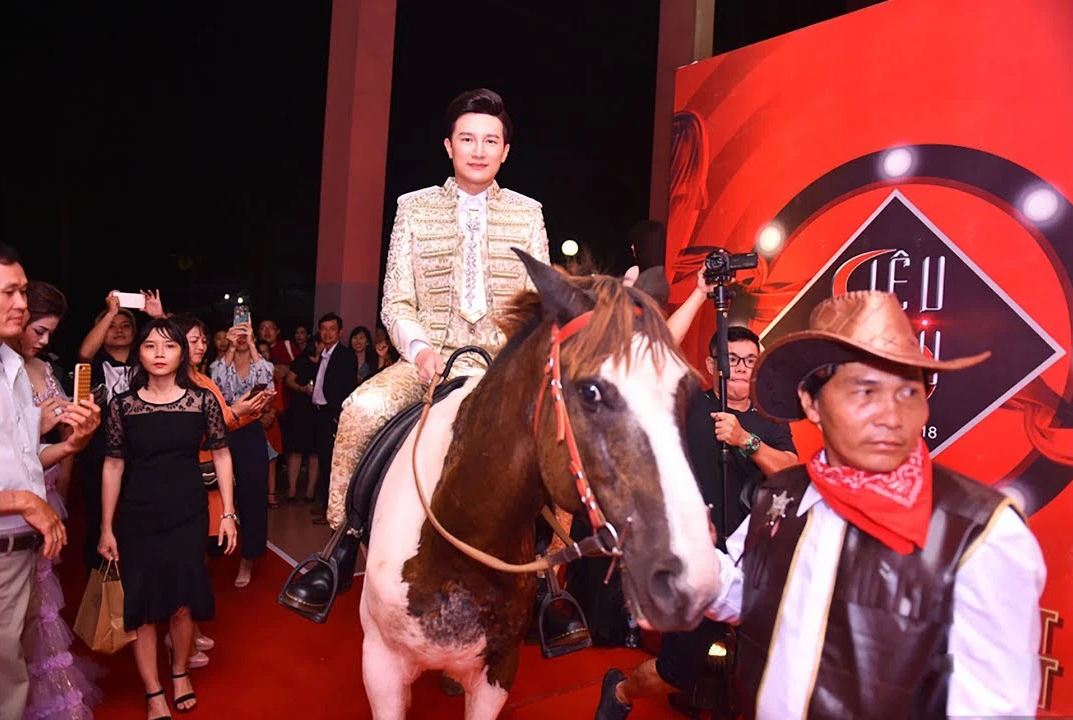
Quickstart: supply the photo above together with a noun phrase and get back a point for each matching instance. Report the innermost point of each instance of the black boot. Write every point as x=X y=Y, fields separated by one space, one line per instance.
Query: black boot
x=610 y=708
x=311 y=595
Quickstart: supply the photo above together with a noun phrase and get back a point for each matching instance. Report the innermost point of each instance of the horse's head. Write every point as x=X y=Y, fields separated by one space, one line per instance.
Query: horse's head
x=625 y=388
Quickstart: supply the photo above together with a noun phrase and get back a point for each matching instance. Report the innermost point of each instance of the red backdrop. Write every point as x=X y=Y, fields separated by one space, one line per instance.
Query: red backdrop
x=928 y=143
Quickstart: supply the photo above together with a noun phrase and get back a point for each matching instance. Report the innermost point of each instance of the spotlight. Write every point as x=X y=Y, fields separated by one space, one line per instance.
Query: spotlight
x=570 y=248
x=239 y=300
x=227 y=296
x=770 y=239
x=897 y=163
x=1040 y=205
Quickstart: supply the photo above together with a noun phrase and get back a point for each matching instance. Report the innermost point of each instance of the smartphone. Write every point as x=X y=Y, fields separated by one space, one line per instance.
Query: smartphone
x=242 y=314
x=82 y=386
x=130 y=300
x=259 y=387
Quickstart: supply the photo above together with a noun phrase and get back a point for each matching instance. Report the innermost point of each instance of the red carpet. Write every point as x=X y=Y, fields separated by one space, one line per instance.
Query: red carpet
x=269 y=663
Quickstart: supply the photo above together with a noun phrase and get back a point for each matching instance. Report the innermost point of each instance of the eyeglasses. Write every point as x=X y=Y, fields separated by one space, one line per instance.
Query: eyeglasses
x=735 y=360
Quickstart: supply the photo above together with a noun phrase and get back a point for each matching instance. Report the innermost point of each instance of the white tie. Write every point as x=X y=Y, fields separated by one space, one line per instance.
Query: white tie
x=474 y=304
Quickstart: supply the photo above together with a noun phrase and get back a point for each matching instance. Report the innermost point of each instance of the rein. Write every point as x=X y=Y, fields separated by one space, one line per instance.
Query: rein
x=604 y=540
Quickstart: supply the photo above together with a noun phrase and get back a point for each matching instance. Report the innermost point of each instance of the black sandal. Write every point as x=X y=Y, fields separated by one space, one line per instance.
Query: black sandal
x=185 y=698
x=150 y=696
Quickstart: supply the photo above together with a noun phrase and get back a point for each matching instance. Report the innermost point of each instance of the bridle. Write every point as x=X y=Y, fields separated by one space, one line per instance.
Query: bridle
x=605 y=540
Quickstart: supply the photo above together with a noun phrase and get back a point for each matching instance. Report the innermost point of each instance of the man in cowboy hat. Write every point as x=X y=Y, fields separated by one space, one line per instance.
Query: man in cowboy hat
x=871 y=582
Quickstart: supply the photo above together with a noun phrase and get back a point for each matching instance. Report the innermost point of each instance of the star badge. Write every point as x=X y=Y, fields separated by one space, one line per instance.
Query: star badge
x=777 y=511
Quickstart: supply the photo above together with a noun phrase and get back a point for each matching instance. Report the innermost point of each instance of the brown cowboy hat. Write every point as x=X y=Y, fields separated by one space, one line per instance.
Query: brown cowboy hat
x=854 y=327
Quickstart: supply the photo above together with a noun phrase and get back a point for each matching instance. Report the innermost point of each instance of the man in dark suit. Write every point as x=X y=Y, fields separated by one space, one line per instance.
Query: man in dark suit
x=337 y=375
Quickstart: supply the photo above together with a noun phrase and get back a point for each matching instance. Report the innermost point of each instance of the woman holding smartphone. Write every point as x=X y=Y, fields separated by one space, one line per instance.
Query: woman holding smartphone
x=243 y=371
x=154 y=432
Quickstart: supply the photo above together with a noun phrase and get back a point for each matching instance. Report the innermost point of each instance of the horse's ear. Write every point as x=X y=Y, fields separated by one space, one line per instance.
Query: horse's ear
x=562 y=301
x=653 y=282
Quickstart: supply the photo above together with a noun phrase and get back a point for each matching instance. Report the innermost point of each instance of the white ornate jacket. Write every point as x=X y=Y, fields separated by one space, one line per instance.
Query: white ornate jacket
x=424 y=277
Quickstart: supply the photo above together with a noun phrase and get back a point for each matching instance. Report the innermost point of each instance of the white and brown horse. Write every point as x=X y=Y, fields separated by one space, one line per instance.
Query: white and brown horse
x=489 y=465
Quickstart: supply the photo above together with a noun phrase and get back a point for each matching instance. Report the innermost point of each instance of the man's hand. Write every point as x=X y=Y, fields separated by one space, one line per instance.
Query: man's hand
x=111 y=303
x=429 y=364
x=703 y=285
x=40 y=515
x=728 y=430
x=153 y=307
x=84 y=419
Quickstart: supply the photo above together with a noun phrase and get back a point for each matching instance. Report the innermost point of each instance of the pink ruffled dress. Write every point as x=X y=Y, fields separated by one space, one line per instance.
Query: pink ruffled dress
x=61 y=684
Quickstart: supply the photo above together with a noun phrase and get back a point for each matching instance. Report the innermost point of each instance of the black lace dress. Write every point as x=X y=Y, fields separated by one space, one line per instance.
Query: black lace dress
x=162 y=518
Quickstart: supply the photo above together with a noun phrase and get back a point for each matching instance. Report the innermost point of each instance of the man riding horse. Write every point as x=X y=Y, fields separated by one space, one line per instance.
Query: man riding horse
x=450 y=271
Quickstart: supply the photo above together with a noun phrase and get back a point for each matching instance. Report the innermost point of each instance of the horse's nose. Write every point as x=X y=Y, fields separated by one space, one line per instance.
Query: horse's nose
x=666 y=587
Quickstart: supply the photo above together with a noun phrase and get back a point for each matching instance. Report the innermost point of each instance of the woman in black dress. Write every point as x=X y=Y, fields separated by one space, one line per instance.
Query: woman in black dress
x=154 y=432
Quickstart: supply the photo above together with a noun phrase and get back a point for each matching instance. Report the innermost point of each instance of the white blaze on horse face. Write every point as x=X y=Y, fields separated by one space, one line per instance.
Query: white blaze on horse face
x=651 y=393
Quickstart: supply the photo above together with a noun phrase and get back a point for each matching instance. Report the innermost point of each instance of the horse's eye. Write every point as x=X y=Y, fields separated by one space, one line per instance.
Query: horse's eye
x=590 y=394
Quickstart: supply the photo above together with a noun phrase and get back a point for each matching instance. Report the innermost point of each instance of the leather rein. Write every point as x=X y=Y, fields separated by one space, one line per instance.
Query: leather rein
x=605 y=540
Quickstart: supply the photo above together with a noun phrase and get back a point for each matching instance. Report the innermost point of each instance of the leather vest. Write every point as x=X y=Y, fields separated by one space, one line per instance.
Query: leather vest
x=884 y=651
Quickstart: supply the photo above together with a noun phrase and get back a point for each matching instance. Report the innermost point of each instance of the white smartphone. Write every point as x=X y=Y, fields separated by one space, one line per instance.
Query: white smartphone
x=130 y=300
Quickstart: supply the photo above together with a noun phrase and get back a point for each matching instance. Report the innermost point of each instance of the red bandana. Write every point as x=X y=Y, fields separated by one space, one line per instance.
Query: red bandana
x=894 y=507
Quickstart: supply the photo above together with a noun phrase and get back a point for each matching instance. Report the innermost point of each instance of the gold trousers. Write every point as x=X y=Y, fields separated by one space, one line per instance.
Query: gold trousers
x=366 y=411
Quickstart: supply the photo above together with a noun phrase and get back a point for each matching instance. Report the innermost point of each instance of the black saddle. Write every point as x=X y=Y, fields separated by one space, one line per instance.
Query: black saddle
x=364 y=488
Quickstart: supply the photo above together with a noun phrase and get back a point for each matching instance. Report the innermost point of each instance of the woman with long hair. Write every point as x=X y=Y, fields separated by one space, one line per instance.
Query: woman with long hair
x=60 y=685
x=154 y=434
x=242 y=370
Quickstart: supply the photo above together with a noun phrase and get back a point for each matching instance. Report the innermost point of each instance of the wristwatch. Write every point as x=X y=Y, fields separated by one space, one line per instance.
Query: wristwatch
x=750 y=447
x=229 y=516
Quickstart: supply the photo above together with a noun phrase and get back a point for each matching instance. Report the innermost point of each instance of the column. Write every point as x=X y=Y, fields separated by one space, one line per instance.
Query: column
x=356 y=116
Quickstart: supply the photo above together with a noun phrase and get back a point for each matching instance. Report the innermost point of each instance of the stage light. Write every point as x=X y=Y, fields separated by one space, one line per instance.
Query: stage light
x=770 y=239
x=718 y=649
x=897 y=163
x=1040 y=205
x=227 y=296
x=239 y=300
x=570 y=248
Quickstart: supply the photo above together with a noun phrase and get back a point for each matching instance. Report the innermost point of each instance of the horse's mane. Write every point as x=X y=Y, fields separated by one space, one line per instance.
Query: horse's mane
x=609 y=333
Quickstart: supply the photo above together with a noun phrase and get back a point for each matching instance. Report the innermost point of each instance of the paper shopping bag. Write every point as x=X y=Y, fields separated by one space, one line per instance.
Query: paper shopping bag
x=100 y=616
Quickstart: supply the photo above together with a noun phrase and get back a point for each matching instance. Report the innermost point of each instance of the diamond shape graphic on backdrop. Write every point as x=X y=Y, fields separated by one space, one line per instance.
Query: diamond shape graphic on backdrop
x=956 y=308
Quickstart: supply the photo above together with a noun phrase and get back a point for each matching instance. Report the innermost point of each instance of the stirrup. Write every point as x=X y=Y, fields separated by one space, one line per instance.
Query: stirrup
x=570 y=639
x=319 y=560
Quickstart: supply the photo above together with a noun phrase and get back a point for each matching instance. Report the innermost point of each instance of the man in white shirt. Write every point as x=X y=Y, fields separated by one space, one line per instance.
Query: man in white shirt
x=450 y=269
x=870 y=582
x=27 y=522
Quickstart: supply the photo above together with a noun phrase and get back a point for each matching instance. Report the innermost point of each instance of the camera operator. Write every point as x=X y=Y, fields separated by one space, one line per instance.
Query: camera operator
x=758 y=447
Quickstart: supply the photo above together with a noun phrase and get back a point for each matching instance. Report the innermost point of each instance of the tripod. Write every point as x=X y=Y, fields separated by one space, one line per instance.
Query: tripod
x=721 y=296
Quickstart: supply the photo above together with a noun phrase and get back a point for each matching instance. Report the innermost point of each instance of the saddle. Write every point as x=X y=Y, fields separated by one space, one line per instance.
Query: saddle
x=364 y=488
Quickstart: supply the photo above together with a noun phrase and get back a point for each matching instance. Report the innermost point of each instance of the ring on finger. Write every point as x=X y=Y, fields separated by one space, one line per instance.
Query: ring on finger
x=57 y=411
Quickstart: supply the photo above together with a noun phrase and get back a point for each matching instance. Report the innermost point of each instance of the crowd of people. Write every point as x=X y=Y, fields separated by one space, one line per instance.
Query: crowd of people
x=175 y=450
x=179 y=454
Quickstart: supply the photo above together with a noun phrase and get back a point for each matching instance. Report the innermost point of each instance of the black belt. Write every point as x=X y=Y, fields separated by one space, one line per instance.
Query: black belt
x=22 y=541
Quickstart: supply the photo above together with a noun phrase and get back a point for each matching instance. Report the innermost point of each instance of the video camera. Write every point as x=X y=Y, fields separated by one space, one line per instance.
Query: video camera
x=721 y=264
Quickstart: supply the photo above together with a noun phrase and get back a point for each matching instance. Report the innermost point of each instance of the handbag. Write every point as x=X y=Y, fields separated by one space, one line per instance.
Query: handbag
x=100 y=616
x=208 y=475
